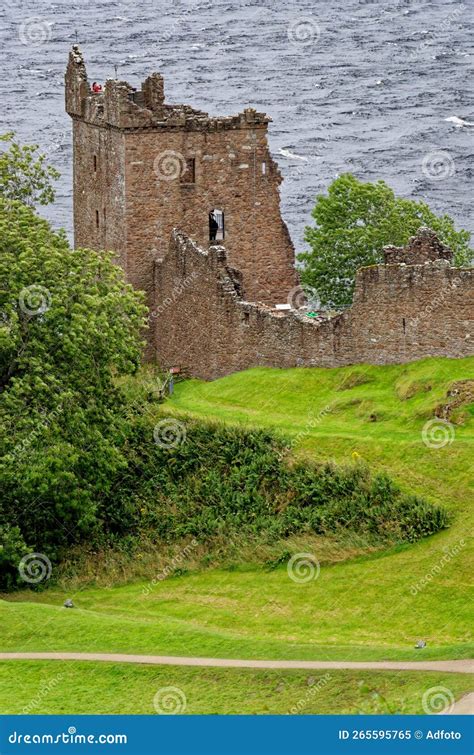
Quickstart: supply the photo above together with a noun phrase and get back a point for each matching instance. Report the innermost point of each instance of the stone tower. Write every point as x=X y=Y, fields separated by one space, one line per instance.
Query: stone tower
x=143 y=167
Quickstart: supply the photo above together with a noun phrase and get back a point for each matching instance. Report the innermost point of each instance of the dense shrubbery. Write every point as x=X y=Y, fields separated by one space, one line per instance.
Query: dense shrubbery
x=225 y=480
x=12 y=550
x=218 y=483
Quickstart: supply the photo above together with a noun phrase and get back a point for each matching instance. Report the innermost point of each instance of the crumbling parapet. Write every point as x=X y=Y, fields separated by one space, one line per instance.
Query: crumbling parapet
x=425 y=246
x=122 y=106
x=120 y=109
x=76 y=85
x=153 y=89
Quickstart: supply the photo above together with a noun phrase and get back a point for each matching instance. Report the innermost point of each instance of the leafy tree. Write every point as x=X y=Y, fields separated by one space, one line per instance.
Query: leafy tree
x=24 y=175
x=12 y=550
x=69 y=324
x=354 y=221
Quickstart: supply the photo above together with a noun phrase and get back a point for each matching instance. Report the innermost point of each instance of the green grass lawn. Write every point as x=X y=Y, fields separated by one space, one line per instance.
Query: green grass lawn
x=56 y=687
x=381 y=417
x=253 y=614
x=372 y=607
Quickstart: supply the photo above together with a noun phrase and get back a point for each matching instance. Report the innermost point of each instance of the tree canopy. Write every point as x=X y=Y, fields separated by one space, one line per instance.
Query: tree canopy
x=353 y=223
x=69 y=325
x=24 y=175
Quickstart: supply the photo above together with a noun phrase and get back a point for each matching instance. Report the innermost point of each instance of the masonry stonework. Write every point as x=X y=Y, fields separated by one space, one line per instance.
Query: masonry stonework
x=146 y=172
x=400 y=313
x=143 y=167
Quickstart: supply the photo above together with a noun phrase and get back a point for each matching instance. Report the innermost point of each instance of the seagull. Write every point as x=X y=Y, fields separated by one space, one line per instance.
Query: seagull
x=420 y=644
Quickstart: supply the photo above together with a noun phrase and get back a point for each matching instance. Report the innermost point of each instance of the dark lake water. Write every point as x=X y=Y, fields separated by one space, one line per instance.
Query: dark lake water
x=381 y=89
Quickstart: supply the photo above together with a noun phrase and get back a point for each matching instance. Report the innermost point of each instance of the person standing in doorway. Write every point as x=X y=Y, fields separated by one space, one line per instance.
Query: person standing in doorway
x=213 y=226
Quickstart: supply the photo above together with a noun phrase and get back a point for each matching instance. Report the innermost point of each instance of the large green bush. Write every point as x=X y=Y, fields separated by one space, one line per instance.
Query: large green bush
x=221 y=481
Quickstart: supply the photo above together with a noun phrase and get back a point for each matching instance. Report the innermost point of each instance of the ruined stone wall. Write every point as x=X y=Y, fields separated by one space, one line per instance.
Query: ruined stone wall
x=203 y=325
x=424 y=247
x=400 y=313
x=406 y=312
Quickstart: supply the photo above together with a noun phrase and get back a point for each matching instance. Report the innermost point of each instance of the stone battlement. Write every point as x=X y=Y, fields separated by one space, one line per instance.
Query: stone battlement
x=122 y=106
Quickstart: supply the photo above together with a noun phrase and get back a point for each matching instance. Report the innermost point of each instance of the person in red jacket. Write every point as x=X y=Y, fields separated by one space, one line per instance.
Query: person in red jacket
x=96 y=87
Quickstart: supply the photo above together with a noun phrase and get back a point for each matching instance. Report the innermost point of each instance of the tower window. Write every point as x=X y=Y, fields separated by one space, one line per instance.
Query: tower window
x=188 y=175
x=95 y=163
x=264 y=169
x=216 y=225
x=97 y=218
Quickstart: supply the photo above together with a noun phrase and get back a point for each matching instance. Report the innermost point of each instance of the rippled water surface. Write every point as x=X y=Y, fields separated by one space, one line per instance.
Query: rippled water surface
x=351 y=85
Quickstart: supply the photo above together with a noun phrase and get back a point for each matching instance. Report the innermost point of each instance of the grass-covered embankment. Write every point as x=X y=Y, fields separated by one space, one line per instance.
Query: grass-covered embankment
x=372 y=607
x=84 y=688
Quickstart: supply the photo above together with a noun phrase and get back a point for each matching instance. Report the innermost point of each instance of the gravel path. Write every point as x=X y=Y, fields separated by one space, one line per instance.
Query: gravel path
x=458 y=666
x=462 y=707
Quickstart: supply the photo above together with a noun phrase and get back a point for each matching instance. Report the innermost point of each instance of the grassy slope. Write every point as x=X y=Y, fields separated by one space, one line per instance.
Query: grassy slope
x=361 y=609
x=80 y=688
x=370 y=603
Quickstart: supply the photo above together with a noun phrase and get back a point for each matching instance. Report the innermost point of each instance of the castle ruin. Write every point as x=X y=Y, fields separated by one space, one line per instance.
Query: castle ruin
x=190 y=206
